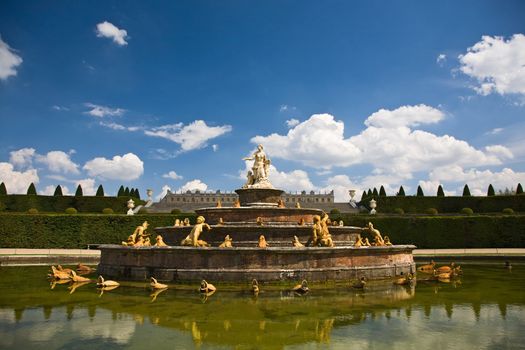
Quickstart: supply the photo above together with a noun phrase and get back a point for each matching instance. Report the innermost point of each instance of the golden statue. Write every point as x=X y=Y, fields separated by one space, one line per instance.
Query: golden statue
x=405 y=280
x=156 y=285
x=237 y=204
x=262 y=242
x=101 y=282
x=59 y=275
x=360 y=284
x=137 y=238
x=366 y=243
x=255 y=286
x=375 y=233
x=77 y=278
x=207 y=287
x=221 y=222
x=227 y=242
x=160 y=242
x=280 y=204
x=219 y=204
x=177 y=223
x=84 y=269
x=301 y=288
x=341 y=223
x=326 y=239
x=359 y=242
x=387 y=241
x=193 y=238
x=147 y=242
x=139 y=242
x=259 y=221
x=317 y=232
x=298 y=205
x=428 y=268
x=301 y=222
x=186 y=222
x=296 y=243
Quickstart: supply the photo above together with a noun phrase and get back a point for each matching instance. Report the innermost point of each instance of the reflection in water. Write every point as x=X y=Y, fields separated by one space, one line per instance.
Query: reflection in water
x=485 y=311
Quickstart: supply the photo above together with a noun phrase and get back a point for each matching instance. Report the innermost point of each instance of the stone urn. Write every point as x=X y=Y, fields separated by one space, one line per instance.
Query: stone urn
x=131 y=205
x=373 y=206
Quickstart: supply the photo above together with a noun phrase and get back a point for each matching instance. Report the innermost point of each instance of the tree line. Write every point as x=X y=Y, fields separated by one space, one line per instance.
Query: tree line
x=122 y=192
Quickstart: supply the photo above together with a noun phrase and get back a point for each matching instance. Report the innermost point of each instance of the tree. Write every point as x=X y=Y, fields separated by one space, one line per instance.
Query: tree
x=490 y=191
x=369 y=193
x=3 y=190
x=79 y=192
x=126 y=192
x=100 y=191
x=375 y=193
x=401 y=192
x=363 y=196
x=519 y=189
x=58 y=191
x=382 y=192
x=440 y=192
x=31 y=189
x=466 y=191
x=420 y=192
x=120 y=192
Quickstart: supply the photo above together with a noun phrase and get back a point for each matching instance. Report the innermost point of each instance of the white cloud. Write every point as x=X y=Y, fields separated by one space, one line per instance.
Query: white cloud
x=103 y=111
x=50 y=190
x=441 y=59
x=126 y=167
x=88 y=186
x=120 y=127
x=405 y=116
x=172 y=175
x=193 y=185
x=58 y=162
x=388 y=144
x=22 y=158
x=215 y=147
x=9 y=60
x=192 y=136
x=17 y=181
x=286 y=108
x=59 y=108
x=108 y=30
x=292 y=122
x=295 y=180
x=497 y=64
x=494 y=131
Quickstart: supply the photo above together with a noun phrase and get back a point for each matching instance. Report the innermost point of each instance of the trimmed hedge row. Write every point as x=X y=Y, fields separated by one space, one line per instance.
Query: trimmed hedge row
x=448 y=231
x=85 y=204
x=74 y=231
x=415 y=204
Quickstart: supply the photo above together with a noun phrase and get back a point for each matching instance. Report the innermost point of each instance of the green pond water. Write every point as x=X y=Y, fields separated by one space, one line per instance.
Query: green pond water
x=484 y=309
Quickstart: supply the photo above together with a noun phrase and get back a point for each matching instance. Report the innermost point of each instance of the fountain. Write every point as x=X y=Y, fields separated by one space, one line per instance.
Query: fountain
x=260 y=212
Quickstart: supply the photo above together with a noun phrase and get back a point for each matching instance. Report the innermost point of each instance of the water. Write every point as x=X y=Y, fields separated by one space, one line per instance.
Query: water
x=484 y=310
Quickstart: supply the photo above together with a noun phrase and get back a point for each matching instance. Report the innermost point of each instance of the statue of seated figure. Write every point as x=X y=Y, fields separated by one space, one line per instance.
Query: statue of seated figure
x=193 y=238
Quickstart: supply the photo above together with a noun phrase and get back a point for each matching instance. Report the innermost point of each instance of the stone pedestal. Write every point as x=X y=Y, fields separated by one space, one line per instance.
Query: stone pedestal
x=259 y=196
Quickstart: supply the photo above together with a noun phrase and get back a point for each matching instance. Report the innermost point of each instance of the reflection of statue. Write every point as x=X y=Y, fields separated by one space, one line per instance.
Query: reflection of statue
x=193 y=238
x=258 y=176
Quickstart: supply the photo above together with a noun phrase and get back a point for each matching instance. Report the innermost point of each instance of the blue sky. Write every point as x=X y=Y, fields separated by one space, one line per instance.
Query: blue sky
x=342 y=94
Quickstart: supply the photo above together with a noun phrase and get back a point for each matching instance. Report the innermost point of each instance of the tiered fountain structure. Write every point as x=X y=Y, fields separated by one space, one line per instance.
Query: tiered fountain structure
x=258 y=214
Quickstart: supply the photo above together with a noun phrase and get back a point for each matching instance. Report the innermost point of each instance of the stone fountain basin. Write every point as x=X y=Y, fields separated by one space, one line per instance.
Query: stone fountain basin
x=180 y=264
x=250 y=232
x=250 y=214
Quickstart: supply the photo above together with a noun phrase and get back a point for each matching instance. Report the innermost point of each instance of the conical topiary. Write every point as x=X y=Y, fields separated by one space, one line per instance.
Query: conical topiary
x=420 y=192
x=490 y=191
x=58 y=191
x=519 y=189
x=440 y=192
x=375 y=193
x=363 y=196
x=3 y=189
x=382 y=192
x=100 y=191
x=79 y=192
x=466 y=191
x=126 y=192
x=369 y=193
x=401 y=191
x=120 y=192
x=31 y=190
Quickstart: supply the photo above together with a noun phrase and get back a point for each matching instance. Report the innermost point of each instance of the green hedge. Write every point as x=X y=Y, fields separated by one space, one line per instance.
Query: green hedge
x=58 y=204
x=74 y=231
x=415 y=204
x=476 y=231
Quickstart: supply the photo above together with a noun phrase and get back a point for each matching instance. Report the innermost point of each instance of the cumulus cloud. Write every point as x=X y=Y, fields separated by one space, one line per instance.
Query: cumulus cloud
x=441 y=59
x=286 y=108
x=192 y=136
x=126 y=167
x=193 y=185
x=120 y=127
x=108 y=30
x=163 y=192
x=88 y=186
x=22 y=158
x=295 y=180
x=494 y=131
x=388 y=143
x=103 y=111
x=292 y=122
x=17 y=181
x=50 y=190
x=172 y=175
x=405 y=116
x=58 y=162
x=498 y=65
x=9 y=61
